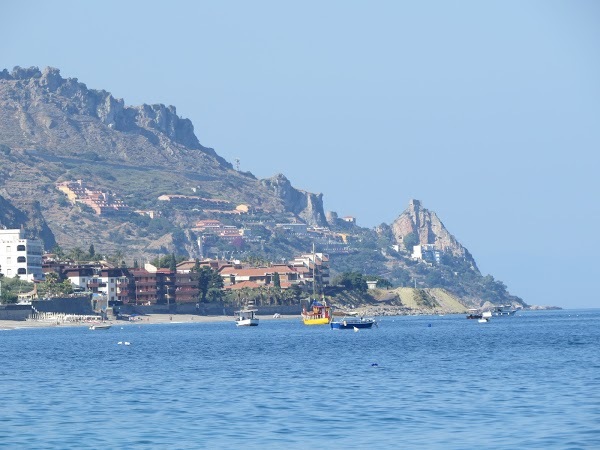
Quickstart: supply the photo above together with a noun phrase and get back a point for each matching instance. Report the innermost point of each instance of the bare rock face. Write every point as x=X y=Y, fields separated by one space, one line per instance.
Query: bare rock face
x=307 y=206
x=429 y=229
x=31 y=88
x=13 y=217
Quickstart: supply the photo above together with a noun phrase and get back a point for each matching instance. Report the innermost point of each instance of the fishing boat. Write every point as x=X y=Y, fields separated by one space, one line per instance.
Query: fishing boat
x=319 y=314
x=100 y=326
x=246 y=317
x=350 y=323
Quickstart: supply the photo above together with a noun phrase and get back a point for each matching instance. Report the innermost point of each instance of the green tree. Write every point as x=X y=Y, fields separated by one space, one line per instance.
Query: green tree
x=58 y=251
x=208 y=279
x=352 y=281
x=410 y=240
x=276 y=280
x=173 y=263
x=77 y=254
x=214 y=295
x=53 y=287
x=382 y=283
x=92 y=251
x=12 y=287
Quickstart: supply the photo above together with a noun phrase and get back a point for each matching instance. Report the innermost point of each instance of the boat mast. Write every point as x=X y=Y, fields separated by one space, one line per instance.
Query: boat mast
x=314 y=261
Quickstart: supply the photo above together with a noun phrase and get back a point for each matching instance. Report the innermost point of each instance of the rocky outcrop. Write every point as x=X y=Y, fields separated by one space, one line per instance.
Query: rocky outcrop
x=307 y=206
x=429 y=229
x=158 y=123
x=30 y=217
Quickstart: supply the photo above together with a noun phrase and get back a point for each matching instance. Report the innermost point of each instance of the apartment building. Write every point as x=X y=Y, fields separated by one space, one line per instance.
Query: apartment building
x=20 y=256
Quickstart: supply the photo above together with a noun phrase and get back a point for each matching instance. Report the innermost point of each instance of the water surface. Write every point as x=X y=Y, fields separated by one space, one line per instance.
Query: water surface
x=529 y=381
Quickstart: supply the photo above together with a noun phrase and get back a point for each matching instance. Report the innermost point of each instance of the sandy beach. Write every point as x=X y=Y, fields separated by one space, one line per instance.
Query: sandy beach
x=149 y=319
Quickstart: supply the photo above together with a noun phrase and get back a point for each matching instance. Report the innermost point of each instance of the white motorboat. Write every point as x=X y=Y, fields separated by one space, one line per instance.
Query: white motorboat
x=486 y=316
x=100 y=326
x=246 y=317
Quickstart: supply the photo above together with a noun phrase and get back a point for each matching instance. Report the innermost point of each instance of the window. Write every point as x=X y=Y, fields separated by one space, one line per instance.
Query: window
x=8 y=249
x=21 y=259
x=20 y=248
x=22 y=271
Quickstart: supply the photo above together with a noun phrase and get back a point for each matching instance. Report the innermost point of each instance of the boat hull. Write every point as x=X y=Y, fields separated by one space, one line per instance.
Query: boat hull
x=318 y=321
x=100 y=327
x=247 y=323
x=348 y=325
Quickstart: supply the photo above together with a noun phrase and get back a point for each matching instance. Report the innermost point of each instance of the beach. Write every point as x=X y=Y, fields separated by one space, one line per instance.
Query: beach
x=149 y=319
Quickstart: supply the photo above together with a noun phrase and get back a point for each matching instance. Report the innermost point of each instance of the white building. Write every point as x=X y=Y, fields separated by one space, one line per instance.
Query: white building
x=20 y=256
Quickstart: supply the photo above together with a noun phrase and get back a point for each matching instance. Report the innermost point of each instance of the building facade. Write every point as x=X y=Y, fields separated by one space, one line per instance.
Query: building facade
x=19 y=256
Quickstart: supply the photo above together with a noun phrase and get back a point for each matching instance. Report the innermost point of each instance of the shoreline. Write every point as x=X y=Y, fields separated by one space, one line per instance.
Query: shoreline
x=149 y=319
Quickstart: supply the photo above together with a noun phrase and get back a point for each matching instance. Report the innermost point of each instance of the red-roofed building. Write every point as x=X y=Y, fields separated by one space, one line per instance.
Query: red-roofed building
x=262 y=276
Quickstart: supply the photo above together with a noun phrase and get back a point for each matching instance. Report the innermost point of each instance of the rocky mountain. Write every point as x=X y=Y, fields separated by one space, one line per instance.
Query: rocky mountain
x=429 y=230
x=54 y=129
x=305 y=205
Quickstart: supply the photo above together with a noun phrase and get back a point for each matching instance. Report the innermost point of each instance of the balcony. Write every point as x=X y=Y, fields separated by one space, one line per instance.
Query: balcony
x=186 y=283
x=146 y=291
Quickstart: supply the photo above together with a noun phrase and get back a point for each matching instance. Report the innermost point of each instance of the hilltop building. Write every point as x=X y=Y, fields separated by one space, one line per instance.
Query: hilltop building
x=103 y=203
x=426 y=252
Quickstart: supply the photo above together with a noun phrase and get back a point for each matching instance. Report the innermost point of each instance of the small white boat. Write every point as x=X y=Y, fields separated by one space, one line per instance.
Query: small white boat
x=482 y=320
x=246 y=317
x=100 y=326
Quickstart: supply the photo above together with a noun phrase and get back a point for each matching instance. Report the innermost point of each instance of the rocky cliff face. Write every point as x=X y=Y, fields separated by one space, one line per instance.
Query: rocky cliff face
x=307 y=206
x=38 y=100
x=12 y=217
x=429 y=229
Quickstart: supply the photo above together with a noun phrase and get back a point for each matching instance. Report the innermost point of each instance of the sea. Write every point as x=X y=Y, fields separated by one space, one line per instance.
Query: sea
x=528 y=381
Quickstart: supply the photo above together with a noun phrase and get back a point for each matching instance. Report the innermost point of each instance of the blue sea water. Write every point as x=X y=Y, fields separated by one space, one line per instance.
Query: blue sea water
x=529 y=381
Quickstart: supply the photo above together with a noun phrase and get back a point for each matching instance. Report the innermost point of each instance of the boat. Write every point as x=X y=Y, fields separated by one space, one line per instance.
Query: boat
x=504 y=310
x=350 y=323
x=486 y=316
x=319 y=314
x=246 y=317
x=474 y=314
x=100 y=326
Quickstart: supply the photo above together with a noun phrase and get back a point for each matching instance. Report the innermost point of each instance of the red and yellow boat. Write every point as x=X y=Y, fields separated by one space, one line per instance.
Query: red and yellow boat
x=319 y=314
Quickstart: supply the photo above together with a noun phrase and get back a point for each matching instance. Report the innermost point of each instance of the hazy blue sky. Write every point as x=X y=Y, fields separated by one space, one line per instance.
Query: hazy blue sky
x=486 y=111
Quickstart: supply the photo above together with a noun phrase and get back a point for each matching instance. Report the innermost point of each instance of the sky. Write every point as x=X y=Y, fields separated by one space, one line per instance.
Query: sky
x=487 y=112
